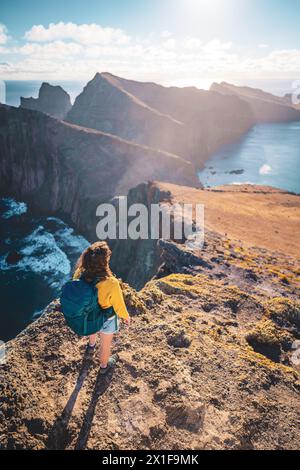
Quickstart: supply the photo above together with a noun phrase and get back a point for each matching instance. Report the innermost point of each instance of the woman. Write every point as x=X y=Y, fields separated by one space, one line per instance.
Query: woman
x=93 y=266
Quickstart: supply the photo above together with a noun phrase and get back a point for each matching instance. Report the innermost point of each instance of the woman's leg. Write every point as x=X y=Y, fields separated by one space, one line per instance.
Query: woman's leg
x=92 y=339
x=106 y=340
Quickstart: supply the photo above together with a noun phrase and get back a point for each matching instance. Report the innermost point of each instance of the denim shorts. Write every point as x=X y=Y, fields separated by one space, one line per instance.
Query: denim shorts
x=111 y=325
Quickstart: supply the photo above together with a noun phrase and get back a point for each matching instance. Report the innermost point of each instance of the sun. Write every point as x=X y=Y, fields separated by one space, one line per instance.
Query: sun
x=199 y=5
x=208 y=11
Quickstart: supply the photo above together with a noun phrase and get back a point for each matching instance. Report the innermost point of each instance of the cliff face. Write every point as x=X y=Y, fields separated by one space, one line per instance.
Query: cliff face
x=137 y=261
x=68 y=170
x=189 y=122
x=209 y=362
x=108 y=108
x=265 y=106
x=52 y=100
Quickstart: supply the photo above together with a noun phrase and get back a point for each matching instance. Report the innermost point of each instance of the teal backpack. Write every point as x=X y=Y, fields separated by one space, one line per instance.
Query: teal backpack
x=81 y=309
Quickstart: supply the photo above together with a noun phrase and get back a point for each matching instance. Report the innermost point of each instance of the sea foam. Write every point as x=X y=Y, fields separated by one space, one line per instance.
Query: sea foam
x=14 y=208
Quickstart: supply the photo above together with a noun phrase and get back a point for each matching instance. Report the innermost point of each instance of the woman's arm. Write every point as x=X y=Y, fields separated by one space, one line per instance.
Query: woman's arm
x=117 y=301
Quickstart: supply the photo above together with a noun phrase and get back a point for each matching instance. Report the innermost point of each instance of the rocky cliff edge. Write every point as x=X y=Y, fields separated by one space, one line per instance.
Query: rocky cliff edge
x=210 y=361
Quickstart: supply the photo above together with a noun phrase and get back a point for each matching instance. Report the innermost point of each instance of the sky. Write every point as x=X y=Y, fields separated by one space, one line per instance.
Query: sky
x=177 y=42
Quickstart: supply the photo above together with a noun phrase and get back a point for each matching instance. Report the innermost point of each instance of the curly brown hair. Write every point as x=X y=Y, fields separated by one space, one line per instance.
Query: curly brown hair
x=93 y=264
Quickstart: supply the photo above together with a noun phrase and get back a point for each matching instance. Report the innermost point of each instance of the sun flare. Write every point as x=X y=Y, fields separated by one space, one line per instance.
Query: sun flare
x=203 y=5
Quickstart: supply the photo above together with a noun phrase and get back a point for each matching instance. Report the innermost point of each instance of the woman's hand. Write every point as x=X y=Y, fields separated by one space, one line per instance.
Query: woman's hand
x=127 y=321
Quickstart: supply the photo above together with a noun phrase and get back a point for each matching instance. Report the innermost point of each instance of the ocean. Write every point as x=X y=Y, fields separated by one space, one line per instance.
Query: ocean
x=37 y=256
x=268 y=155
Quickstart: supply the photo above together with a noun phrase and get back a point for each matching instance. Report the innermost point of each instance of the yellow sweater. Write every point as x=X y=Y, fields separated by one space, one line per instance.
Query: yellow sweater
x=110 y=295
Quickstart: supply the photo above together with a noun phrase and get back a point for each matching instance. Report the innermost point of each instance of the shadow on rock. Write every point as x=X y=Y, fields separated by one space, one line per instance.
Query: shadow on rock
x=59 y=436
x=102 y=384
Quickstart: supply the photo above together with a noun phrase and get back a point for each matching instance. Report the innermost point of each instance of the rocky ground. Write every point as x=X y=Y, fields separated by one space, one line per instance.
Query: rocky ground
x=249 y=239
x=208 y=363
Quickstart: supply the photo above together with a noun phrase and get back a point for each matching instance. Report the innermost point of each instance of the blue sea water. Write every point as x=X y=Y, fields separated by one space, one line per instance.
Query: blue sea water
x=268 y=155
x=37 y=256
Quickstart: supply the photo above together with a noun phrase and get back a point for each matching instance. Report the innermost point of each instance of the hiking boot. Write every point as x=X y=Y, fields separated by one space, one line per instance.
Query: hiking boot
x=111 y=363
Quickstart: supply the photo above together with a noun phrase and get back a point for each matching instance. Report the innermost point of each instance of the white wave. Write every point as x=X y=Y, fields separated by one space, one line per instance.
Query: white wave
x=48 y=251
x=14 y=208
x=41 y=255
x=56 y=219
x=66 y=238
x=37 y=314
x=265 y=170
x=4 y=266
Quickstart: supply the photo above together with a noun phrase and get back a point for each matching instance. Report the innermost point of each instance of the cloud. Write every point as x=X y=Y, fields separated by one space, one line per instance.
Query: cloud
x=4 y=50
x=53 y=50
x=166 y=34
x=170 y=44
x=217 y=45
x=68 y=50
x=263 y=46
x=84 y=34
x=3 y=34
x=192 y=43
x=287 y=60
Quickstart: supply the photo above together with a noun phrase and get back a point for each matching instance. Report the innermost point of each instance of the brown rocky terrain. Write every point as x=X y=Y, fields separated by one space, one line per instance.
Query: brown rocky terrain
x=209 y=361
x=52 y=100
x=265 y=106
x=68 y=170
x=276 y=213
x=242 y=225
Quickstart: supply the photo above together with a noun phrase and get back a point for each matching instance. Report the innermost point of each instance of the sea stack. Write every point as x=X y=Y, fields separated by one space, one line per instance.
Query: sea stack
x=52 y=100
